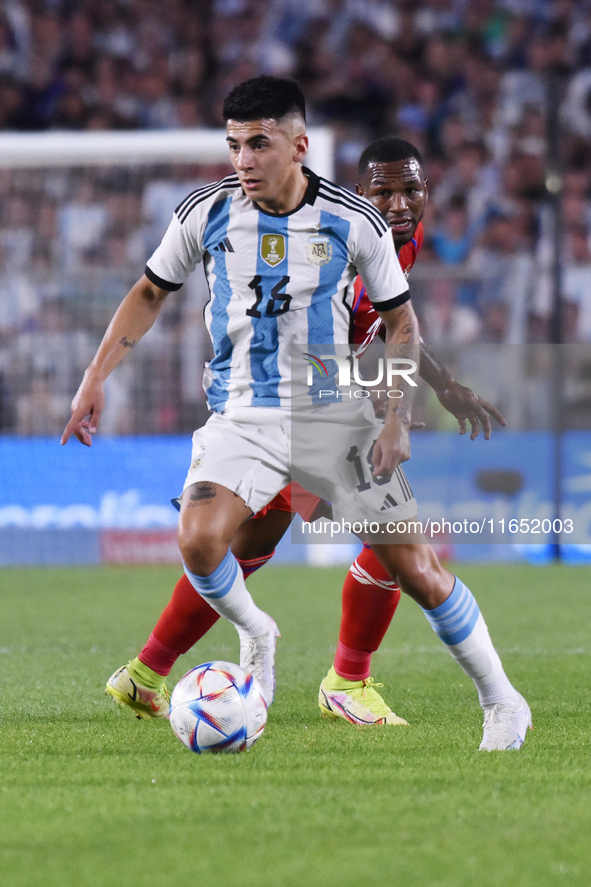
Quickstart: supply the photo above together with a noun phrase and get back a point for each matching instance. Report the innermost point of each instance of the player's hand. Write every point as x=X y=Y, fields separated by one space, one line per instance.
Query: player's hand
x=465 y=405
x=87 y=407
x=391 y=448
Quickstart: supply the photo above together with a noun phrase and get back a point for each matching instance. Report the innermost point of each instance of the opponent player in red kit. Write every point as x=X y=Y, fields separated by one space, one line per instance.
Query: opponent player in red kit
x=391 y=176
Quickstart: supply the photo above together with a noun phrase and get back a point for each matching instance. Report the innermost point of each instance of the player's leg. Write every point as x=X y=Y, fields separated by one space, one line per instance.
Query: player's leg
x=240 y=461
x=369 y=601
x=210 y=516
x=257 y=538
x=454 y=616
x=188 y=617
x=237 y=465
x=139 y=684
x=448 y=604
x=330 y=452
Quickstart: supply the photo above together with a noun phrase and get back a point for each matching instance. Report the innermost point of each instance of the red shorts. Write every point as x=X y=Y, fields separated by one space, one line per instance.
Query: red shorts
x=292 y=498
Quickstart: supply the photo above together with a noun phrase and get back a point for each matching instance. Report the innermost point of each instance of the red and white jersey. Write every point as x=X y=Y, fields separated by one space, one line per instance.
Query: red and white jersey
x=366 y=320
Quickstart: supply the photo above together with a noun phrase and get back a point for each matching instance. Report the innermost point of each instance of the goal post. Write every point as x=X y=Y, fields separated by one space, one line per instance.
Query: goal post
x=203 y=146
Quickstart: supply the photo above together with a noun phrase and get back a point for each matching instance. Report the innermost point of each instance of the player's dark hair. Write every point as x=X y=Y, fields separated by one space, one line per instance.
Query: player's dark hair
x=389 y=149
x=264 y=97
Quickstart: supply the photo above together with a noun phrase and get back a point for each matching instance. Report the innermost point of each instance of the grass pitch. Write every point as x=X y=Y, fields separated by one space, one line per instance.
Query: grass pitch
x=91 y=797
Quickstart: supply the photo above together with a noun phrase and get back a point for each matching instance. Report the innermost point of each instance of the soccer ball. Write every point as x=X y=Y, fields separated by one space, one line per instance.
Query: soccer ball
x=217 y=707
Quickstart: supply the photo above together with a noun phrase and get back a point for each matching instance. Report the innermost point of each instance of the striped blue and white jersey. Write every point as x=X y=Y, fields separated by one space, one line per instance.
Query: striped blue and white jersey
x=275 y=280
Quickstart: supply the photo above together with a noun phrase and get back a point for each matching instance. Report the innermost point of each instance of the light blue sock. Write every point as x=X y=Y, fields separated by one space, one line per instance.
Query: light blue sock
x=459 y=624
x=219 y=583
x=453 y=621
x=225 y=592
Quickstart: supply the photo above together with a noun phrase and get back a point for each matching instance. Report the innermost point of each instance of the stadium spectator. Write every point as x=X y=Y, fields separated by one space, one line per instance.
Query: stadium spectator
x=453 y=237
x=40 y=410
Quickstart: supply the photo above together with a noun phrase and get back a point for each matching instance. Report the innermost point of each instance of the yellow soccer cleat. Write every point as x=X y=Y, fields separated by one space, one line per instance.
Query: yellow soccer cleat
x=357 y=702
x=145 y=702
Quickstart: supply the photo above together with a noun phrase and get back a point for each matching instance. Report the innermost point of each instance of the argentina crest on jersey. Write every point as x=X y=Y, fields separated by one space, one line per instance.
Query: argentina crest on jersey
x=319 y=249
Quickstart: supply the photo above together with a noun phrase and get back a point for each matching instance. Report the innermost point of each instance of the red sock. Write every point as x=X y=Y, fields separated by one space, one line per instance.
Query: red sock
x=250 y=566
x=184 y=621
x=157 y=656
x=370 y=598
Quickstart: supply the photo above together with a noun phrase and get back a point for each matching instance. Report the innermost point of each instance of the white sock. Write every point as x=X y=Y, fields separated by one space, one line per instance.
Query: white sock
x=225 y=591
x=459 y=624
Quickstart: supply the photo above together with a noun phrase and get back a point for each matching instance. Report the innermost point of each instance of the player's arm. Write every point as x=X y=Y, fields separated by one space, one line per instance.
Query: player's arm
x=134 y=317
x=460 y=401
x=402 y=345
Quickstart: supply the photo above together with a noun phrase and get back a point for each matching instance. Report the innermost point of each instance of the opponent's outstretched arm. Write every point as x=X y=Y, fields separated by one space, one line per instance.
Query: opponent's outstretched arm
x=134 y=317
x=460 y=401
x=402 y=343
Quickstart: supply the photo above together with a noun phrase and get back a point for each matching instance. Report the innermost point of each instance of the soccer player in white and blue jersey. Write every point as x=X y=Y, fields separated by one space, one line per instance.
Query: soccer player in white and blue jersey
x=281 y=248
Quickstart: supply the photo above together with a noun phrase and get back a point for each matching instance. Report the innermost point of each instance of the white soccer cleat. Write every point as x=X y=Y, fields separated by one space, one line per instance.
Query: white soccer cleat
x=505 y=726
x=257 y=658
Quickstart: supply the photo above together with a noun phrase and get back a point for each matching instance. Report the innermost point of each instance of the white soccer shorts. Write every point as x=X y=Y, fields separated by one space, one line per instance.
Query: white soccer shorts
x=331 y=450
x=257 y=451
x=246 y=450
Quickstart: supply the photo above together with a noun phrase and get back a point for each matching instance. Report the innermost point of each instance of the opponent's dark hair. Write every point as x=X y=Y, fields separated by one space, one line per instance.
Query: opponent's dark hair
x=264 y=97
x=388 y=150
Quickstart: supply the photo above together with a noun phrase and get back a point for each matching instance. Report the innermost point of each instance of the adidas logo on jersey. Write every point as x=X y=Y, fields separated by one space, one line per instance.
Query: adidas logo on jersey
x=389 y=502
x=224 y=246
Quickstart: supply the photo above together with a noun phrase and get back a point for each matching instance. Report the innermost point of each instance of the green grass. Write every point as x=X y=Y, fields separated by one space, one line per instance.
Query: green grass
x=91 y=797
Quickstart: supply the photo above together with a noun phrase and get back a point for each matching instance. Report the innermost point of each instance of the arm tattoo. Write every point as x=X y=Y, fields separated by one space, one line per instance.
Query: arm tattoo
x=433 y=372
x=127 y=343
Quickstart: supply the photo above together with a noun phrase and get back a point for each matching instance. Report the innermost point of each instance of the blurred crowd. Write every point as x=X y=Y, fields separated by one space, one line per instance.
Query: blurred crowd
x=467 y=81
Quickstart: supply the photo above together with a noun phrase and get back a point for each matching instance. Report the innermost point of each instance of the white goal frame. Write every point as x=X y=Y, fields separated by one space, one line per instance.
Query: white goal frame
x=61 y=149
